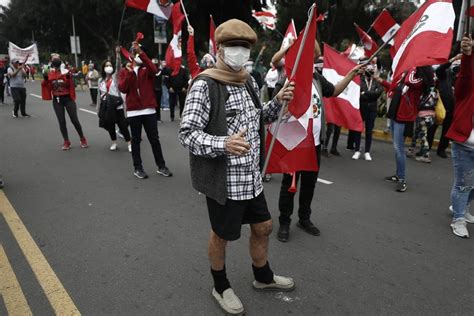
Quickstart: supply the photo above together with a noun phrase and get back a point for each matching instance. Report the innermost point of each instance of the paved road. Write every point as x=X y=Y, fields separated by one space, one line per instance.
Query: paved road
x=123 y=246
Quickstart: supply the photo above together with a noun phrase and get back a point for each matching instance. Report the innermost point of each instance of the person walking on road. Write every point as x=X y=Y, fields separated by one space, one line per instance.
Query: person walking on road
x=223 y=128
x=462 y=135
x=158 y=88
x=111 y=105
x=3 y=80
x=137 y=82
x=92 y=78
x=16 y=73
x=58 y=86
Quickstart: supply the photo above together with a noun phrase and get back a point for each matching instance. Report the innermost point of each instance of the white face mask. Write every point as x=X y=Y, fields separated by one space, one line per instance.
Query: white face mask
x=138 y=61
x=109 y=70
x=236 y=56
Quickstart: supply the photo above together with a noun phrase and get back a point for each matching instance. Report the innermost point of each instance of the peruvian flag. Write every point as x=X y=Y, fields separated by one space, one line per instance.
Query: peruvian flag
x=370 y=46
x=289 y=35
x=160 y=8
x=266 y=18
x=294 y=146
x=174 y=54
x=425 y=37
x=342 y=110
x=385 y=26
x=212 y=41
x=471 y=11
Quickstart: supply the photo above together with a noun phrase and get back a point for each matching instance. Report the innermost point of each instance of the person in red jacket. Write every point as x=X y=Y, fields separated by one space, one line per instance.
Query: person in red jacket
x=461 y=133
x=137 y=82
x=207 y=61
x=58 y=86
x=405 y=94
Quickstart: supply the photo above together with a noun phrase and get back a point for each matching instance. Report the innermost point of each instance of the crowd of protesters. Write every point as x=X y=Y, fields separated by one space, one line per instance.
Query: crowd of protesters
x=226 y=158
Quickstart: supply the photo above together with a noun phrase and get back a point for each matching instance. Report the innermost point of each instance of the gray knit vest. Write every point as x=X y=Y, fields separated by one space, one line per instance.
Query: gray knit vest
x=209 y=175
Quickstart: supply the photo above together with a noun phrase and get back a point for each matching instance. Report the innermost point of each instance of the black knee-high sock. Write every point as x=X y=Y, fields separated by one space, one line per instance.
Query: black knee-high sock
x=221 y=283
x=263 y=274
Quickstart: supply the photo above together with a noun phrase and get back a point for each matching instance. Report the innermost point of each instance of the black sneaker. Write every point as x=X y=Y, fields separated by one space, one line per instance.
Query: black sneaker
x=165 y=172
x=140 y=174
x=334 y=152
x=308 y=227
x=442 y=154
x=392 y=179
x=25 y=115
x=401 y=186
x=283 y=233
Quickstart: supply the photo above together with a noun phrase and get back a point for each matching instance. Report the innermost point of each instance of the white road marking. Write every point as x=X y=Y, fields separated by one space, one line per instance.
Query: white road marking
x=324 y=181
x=36 y=96
x=88 y=111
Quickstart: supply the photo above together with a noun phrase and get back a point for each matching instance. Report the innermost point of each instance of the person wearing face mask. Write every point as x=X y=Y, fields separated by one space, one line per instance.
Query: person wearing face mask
x=58 y=86
x=207 y=61
x=223 y=128
x=17 y=74
x=92 y=78
x=136 y=82
x=111 y=105
x=177 y=87
x=321 y=88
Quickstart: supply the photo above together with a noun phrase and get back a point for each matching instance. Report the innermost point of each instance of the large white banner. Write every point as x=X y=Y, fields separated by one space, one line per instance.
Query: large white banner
x=16 y=52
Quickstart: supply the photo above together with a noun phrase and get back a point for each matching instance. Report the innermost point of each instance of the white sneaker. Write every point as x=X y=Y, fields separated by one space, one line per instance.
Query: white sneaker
x=356 y=155
x=130 y=148
x=469 y=217
x=229 y=302
x=459 y=228
x=113 y=147
x=279 y=283
x=367 y=157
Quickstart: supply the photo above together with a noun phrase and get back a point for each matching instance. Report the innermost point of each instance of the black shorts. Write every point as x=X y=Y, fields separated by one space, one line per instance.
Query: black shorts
x=227 y=220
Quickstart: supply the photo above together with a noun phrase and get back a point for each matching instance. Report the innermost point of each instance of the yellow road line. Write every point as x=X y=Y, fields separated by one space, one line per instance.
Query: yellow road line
x=10 y=289
x=58 y=297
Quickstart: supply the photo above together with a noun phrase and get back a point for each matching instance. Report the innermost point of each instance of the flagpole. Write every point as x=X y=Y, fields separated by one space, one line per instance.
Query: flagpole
x=121 y=22
x=380 y=49
x=285 y=103
x=468 y=22
x=184 y=11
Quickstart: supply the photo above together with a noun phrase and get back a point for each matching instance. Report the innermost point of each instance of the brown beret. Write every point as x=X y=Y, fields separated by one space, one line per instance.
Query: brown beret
x=235 y=31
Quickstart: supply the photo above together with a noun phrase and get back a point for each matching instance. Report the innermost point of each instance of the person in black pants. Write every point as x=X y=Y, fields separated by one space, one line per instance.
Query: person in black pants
x=17 y=75
x=371 y=90
x=446 y=75
x=3 y=72
x=158 y=89
x=332 y=128
x=177 y=86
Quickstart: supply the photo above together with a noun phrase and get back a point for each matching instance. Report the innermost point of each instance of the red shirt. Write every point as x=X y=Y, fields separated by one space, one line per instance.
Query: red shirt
x=57 y=84
x=139 y=89
x=462 y=124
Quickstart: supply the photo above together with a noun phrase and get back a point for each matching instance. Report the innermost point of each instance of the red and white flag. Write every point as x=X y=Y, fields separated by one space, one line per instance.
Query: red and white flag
x=385 y=26
x=174 y=53
x=290 y=35
x=267 y=19
x=342 y=110
x=294 y=145
x=160 y=8
x=425 y=38
x=370 y=46
x=471 y=11
x=212 y=41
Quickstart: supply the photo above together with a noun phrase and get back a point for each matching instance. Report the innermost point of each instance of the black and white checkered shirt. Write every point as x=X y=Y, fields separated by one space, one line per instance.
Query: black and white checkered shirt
x=244 y=181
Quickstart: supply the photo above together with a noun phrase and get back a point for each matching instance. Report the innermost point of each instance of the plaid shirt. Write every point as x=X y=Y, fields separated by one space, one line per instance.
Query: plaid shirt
x=244 y=181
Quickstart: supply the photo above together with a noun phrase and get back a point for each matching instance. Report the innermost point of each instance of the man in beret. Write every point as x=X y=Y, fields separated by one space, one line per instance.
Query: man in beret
x=223 y=128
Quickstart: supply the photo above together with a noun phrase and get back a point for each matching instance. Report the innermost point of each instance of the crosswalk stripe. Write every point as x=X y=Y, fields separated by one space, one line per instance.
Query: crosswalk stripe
x=10 y=289
x=58 y=297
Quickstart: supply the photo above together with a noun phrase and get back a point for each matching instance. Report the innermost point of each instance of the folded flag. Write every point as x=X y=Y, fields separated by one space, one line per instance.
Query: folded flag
x=342 y=110
x=370 y=46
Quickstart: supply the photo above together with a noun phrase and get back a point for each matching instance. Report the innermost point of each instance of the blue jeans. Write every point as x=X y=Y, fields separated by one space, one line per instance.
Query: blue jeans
x=463 y=189
x=397 y=130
